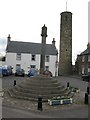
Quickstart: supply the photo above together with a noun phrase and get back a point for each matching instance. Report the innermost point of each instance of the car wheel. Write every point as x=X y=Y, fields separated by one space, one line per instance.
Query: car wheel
x=23 y=75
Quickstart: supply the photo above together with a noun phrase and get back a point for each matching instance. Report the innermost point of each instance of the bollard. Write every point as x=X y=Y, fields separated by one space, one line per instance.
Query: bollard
x=14 y=82
x=67 y=84
x=88 y=90
x=40 y=103
x=86 y=98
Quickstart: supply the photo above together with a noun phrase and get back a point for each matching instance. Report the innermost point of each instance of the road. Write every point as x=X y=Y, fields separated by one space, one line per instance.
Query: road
x=8 y=81
x=9 y=112
x=0 y=108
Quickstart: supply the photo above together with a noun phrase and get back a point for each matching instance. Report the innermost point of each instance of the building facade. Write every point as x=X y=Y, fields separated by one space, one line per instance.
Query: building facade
x=82 y=65
x=26 y=55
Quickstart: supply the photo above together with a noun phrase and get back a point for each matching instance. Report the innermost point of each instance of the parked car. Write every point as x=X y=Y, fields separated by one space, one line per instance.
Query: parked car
x=86 y=77
x=9 y=68
x=20 y=72
x=48 y=73
x=32 y=72
x=5 y=70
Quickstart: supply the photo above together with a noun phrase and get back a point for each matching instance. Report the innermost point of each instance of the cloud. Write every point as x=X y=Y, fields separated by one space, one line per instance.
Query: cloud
x=2 y=45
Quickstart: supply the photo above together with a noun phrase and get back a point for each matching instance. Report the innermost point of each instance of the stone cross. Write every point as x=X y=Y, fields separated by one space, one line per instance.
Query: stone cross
x=43 y=48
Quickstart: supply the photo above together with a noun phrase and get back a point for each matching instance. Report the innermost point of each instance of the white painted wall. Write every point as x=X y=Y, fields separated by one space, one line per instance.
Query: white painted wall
x=2 y=63
x=11 y=60
x=26 y=62
x=52 y=65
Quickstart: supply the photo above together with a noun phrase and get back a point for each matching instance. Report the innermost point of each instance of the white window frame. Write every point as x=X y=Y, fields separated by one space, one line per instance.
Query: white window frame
x=88 y=58
x=18 y=56
x=33 y=66
x=83 y=70
x=18 y=66
x=47 y=58
x=33 y=57
x=47 y=68
x=88 y=69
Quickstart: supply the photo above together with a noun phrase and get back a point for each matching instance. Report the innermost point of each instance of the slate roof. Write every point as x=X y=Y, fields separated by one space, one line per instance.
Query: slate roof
x=28 y=47
x=86 y=52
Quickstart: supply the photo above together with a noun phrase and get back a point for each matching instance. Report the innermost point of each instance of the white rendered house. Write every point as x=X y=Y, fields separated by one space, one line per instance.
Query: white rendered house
x=27 y=56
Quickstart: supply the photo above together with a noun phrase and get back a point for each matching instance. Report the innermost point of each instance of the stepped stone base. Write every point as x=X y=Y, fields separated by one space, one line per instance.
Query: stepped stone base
x=39 y=86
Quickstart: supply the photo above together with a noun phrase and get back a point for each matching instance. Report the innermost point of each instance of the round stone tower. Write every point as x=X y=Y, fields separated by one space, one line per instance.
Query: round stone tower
x=65 y=53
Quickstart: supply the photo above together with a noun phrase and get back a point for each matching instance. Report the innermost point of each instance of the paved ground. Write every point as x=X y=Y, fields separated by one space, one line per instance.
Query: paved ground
x=0 y=108
x=7 y=82
x=75 y=82
x=27 y=109
x=76 y=112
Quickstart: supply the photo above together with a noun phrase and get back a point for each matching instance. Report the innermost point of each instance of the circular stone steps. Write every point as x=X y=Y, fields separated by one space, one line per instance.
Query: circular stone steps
x=41 y=85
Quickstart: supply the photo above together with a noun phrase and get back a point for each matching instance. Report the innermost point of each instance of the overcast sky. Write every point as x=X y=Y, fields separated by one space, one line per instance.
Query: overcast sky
x=23 y=19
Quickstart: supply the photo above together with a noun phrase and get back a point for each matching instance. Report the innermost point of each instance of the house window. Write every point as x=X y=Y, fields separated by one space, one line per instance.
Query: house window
x=33 y=66
x=33 y=58
x=88 y=58
x=18 y=57
x=46 y=67
x=18 y=66
x=47 y=58
x=83 y=70
x=83 y=58
x=89 y=70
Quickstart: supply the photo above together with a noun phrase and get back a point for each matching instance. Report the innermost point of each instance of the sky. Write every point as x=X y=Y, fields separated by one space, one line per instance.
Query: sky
x=23 y=20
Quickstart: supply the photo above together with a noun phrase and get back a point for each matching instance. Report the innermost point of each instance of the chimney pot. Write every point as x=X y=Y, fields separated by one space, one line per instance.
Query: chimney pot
x=9 y=38
x=53 y=42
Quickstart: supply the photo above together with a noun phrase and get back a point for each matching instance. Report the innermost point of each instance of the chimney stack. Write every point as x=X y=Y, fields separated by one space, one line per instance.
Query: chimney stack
x=8 y=38
x=53 y=42
x=88 y=45
x=8 y=41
